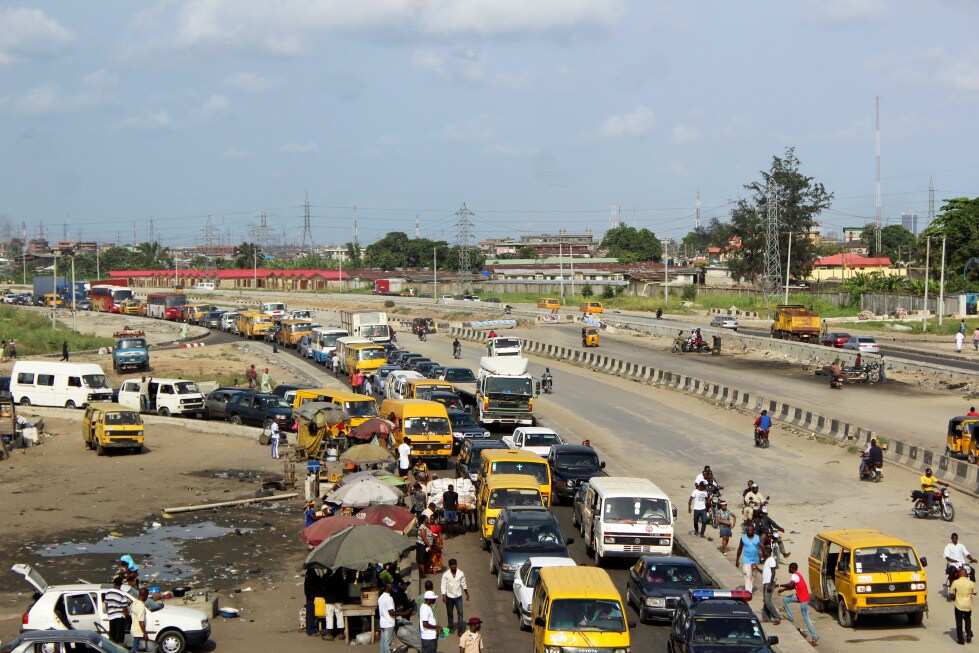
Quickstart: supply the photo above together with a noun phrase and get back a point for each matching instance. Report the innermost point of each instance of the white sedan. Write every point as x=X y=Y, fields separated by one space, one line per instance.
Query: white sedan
x=535 y=439
x=724 y=322
x=863 y=344
x=525 y=580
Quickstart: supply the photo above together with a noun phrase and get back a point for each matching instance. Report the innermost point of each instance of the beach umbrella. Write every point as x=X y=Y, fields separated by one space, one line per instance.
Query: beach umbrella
x=322 y=529
x=375 y=426
x=363 y=493
x=397 y=518
x=366 y=454
x=356 y=547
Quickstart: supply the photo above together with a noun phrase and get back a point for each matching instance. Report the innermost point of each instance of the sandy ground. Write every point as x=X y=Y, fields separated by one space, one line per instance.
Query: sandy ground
x=106 y=324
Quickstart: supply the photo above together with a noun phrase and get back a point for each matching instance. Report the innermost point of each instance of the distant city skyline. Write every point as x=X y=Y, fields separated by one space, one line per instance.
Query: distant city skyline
x=538 y=117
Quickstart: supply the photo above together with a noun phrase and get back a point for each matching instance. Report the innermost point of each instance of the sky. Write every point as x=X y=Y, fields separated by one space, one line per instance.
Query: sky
x=540 y=115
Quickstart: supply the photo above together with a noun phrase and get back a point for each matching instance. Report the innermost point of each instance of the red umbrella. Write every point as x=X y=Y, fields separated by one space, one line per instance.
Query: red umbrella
x=372 y=427
x=328 y=526
x=397 y=518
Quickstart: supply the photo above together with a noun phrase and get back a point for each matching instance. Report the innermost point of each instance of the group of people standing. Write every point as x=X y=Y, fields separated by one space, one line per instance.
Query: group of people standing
x=126 y=605
x=263 y=384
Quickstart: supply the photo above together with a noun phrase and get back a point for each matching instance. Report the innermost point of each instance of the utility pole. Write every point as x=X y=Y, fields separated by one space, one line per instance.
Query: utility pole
x=74 y=312
x=23 y=248
x=696 y=211
x=924 y=317
x=464 y=236
x=98 y=274
x=772 y=260
x=931 y=199
x=340 y=280
x=254 y=265
x=54 y=287
x=418 y=229
x=356 y=229
x=941 y=286
x=877 y=208
x=571 y=258
x=666 y=273
x=788 y=267
x=560 y=263
x=435 y=274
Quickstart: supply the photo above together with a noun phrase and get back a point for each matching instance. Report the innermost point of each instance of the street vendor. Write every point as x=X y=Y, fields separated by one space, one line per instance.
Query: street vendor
x=420 y=473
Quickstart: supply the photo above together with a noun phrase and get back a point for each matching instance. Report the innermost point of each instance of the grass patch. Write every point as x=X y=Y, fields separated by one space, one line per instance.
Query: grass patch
x=948 y=327
x=35 y=335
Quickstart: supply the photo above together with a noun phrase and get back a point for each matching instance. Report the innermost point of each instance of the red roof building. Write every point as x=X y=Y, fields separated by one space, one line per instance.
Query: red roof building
x=275 y=279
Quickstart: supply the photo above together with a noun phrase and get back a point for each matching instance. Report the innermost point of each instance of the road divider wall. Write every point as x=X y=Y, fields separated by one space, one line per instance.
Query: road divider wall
x=959 y=473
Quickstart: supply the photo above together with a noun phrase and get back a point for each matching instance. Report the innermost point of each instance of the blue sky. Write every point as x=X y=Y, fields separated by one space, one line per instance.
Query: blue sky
x=540 y=115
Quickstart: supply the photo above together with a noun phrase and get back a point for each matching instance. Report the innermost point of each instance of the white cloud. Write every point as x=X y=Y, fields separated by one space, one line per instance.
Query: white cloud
x=287 y=27
x=236 y=153
x=957 y=71
x=637 y=122
x=683 y=134
x=299 y=148
x=214 y=104
x=148 y=120
x=42 y=99
x=30 y=32
x=464 y=65
x=94 y=89
x=249 y=82
x=844 y=12
x=100 y=80
x=475 y=130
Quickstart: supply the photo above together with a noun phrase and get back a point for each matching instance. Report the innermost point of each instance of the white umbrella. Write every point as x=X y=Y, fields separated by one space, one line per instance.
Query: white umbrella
x=363 y=493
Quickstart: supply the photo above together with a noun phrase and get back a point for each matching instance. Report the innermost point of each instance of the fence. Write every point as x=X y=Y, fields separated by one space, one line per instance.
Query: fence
x=886 y=303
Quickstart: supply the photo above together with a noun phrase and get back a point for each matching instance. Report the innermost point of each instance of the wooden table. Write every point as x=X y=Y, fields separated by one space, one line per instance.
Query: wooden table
x=357 y=610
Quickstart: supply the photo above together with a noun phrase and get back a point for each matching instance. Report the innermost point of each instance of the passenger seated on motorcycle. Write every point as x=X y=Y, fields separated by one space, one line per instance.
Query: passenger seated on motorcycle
x=546 y=379
x=858 y=362
x=763 y=423
x=707 y=478
x=678 y=341
x=928 y=487
x=873 y=456
x=835 y=371
x=956 y=557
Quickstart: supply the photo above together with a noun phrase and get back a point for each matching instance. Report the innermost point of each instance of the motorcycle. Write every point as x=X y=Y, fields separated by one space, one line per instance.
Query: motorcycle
x=422 y=335
x=409 y=637
x=949 y=578
x=507 y=310
x=457 y=352
x=547 y=385
x=836 y=381
x=761 y=438
x=868 y=472
x=694 y=345
x=713 y=503
x=941 y=505
x=659 y=313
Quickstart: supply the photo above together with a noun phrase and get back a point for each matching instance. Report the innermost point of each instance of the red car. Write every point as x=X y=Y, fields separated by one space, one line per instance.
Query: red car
x=834 y=339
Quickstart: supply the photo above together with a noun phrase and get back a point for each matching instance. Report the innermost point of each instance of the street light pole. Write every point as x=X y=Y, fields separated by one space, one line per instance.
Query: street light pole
x=941 y=286
x=788 y=264
x=924 y=316
x=435 y=274
x=74 y=314
x=666 y=275
x=54 y=287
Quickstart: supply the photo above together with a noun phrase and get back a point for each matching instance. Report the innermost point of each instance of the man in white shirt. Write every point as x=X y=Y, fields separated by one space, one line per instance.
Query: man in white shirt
x=453 y=588
x=698 y=505
x=956 y=556
x=427 y=624
x=386 y=610
x=274 y=437
x=404 y=457
x=768 y=567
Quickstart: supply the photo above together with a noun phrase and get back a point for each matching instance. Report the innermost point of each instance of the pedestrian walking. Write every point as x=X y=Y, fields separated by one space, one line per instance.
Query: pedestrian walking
x=963 y=589
x=959 y=341
x=725 y=525
x=366 y=387
x=748 y=556
x=428 y=625
x=472 y=640
x=800 y=594
x=423 y=542
x=64 y=350
x=116 y=603
x=975 y=339
x=356 y=380
x=697 y=504
x=251 y=375
x=962 y=327
x=768 y=587
x=450 y=508
x=266 y=383
x=404 y=457
x=144 y=394
x=387 y=614
x=274 y=438
x=454 y=587
x=137 y=612
x=335 y=364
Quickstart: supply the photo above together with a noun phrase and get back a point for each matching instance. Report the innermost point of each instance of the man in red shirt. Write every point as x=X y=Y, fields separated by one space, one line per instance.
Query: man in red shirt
x=800 y=596
x=972 y=412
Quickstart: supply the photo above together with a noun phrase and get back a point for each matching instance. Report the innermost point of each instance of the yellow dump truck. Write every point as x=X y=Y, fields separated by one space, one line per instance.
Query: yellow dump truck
x=796 y=322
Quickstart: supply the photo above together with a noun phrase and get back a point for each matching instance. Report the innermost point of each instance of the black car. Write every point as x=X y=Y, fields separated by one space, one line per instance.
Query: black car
x=415 y=363
x=281 y=390
x=450 y=400
x=458 y=375
x=520 y=533
x=216 y=403
x=397 y=357
x=425 y=368
x=463 y=425
x=708 y=620
x=657 y=583
x=259 y=408
x=571 y=465
x=433 y=372
x=471 y=455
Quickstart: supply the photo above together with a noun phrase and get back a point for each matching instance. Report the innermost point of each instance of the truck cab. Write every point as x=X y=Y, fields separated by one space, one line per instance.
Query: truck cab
x=131 y=351
x=505 y=391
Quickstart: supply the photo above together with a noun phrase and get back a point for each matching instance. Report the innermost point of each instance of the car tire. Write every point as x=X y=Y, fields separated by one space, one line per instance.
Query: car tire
x=492 y=566
x=235 y=419
x=596 y=557
x=171 y=641
x=914 y=618
x=99 y=451
x=515 y=607
x=163 y=412
x=24 y=401
x=844 y=616
x=70 y=404
x=500 y=583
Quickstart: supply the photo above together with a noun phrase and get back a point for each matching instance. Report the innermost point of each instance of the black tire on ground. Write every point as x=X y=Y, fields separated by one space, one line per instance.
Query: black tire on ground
x=99 y=451
x=163 y=412
x=914 y=618
x=844 y=616
x=70 y=404
x=235 y=419
x=24 y=401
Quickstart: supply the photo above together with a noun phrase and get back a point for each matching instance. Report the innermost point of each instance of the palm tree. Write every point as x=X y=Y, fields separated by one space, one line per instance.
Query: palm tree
x=247 y=255
x=152 y=255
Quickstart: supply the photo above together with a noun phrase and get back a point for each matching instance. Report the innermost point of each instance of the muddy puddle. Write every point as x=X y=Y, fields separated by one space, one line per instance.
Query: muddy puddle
x=220 y=549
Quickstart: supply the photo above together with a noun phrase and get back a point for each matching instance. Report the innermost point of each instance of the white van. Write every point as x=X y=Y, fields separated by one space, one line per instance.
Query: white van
x=325 y=343
x=166 y=397
x=625 y=518
x=341 y=348
x=205 y=286
x=503 y=346
x=49 y=383
x=276 y=310
x=396 y=385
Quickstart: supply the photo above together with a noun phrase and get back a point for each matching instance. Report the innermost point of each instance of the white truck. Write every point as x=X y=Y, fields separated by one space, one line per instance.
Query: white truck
x=504 y=391
x=372 y=325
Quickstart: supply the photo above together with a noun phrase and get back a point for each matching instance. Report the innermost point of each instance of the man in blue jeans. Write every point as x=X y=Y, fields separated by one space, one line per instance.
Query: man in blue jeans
x=800 y=596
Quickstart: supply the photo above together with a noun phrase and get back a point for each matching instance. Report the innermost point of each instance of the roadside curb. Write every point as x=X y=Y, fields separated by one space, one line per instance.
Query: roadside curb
x=197 y=426
x=957 y=473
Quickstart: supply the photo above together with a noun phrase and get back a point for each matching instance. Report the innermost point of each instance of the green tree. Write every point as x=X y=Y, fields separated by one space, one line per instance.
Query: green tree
x=715 y=234
x=587 y=291
x=152 y=255
x=958 y=223
x=630 y=245
x=608 y=292
x=526 y=251
x=896 y=242
x=801 y=199
x=246 y=255
x=354 y=256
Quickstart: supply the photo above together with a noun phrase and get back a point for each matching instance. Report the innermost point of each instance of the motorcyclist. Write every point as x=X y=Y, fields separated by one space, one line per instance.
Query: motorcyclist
x=507 y=309
x=678 y=341
x=456 y=348
x=956 y=557
x=766 y=525
x=928 y=486
x=763 y=424
x=546 y=380
x=835 y=373
x=872 y=457
x=659 y=313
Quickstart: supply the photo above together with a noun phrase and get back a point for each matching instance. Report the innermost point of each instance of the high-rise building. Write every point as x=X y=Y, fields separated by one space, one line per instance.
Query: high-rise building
x=910 y=222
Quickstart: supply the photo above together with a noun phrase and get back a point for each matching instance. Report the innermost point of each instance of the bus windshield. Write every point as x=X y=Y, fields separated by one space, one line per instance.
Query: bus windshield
x=119 y=296
x=628 y=509
x=424 y=425
x=885 y=559
x=360 y=408
x=537 y=470
x=587 y=614
x=371 y=355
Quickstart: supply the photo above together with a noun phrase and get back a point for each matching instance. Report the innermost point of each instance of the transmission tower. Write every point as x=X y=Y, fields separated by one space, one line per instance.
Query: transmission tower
x=209 y=236
x=418 y=228
x=773 y=263
x=307 y=240
x=877 y=207
x=356 y=229
x=696 y=211
x=464 y=237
